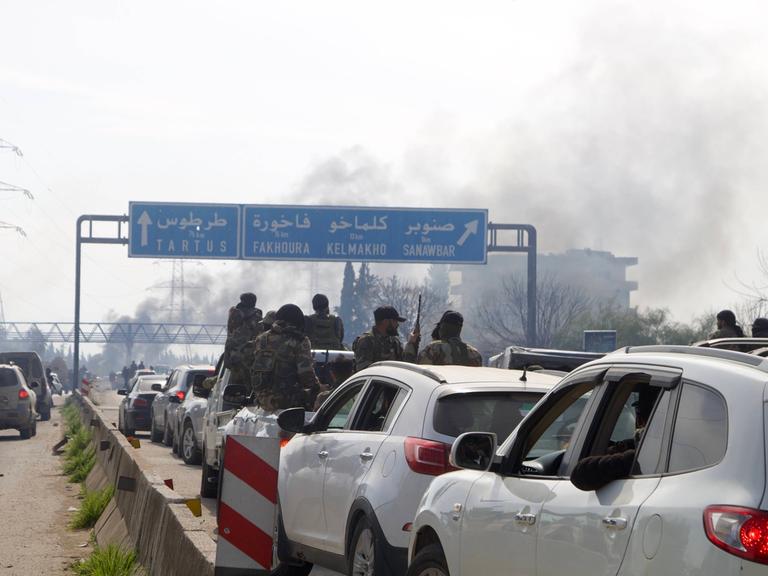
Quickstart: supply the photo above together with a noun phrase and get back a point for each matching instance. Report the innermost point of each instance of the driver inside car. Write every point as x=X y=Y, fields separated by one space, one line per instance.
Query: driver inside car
x=594 y=472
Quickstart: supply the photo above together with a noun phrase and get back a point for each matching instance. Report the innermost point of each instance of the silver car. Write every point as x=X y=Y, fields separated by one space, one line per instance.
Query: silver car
x=166 y=405
x=17 y=402
x=190 y=416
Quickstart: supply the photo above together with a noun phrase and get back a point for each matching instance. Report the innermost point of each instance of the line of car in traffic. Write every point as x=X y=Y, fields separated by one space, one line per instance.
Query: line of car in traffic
x=447 y=470
x=25 y=393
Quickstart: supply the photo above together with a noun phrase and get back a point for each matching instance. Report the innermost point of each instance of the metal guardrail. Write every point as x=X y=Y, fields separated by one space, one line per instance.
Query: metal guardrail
x=114 y=333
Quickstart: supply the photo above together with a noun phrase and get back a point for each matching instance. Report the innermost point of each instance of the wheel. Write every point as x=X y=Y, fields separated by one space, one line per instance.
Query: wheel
x=430 y=561
x=189 y=450
x=362 y=559
x=154 y=434
x=167 y=436
x=208 y=488
x=127 y=430
x=33 y=427
x=45 y=413
x=175 y=444
x=289 y=570
x=26 y=433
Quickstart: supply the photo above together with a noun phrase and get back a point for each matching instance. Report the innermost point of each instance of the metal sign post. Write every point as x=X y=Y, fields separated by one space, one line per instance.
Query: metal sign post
x=524 y=240
x=90 y=238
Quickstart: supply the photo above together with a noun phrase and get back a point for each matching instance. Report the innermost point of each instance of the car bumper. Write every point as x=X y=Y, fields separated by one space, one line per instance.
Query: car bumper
x=14 y=418
x=138 y=419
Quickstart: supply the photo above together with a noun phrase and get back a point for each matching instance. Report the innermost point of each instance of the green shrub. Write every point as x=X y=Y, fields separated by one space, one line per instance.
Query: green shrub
x=109 y=561
x=91 y=507
x=80 y=473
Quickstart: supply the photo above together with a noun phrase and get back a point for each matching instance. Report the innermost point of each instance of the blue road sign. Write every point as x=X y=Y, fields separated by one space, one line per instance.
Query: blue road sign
x=184 y=230
x=364 y=234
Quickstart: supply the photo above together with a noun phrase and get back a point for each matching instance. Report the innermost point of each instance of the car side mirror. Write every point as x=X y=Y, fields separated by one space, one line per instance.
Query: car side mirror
x=292 y=420
x=173 y=399
x=122 y=392
x=473 y=451
x=200 y=391
x=157 y=387
x=235 y=394
x=34 y=384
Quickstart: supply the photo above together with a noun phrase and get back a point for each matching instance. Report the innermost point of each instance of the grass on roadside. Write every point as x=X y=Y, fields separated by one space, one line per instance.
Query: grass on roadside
x=109 y=561
x=91 y=507
x=79 y=455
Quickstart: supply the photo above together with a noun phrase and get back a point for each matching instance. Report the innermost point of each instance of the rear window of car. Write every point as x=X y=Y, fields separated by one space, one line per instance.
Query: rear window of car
x=7 y=378
x=498 y=412
x=145 y=384
x=198 y=376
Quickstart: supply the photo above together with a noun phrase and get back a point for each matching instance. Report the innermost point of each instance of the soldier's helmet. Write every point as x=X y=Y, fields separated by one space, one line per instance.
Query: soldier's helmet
x=269 y=319
x=292 y=315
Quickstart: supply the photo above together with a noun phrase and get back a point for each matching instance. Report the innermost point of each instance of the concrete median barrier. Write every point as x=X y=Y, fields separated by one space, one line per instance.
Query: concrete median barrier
x=144 y=514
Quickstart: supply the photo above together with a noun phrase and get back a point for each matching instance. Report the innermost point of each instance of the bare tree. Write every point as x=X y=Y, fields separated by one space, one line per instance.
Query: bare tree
x=501 y=315
x=404 y=296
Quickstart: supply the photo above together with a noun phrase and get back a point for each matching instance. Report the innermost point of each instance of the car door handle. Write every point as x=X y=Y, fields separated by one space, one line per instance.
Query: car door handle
x=525 y=519
x=323 y=454
x=366 y=456
x=615 y=522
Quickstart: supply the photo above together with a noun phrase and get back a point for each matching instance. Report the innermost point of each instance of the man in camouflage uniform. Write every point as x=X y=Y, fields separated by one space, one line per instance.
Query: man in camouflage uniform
x=449 y=348
x=243 y=325
x=324 y=330
x=382 y=341
x=282 y=374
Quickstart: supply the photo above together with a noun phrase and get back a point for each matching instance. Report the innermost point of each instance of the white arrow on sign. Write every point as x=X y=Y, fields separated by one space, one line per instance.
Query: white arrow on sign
x=469 y=229
x=144 y=222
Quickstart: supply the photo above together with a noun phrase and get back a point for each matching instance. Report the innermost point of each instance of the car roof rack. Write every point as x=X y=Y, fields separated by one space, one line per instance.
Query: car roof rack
x=740 y=357
x=413 y=368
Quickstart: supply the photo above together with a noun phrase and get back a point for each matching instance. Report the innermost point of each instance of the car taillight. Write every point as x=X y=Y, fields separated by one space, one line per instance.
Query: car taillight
x=739 y=531
x=23 y=394
x=139 y=402
x=427 y=456
x=180 y=395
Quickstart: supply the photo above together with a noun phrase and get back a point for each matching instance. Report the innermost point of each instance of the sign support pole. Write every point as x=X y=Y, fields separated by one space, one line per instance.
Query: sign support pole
x=89 y=238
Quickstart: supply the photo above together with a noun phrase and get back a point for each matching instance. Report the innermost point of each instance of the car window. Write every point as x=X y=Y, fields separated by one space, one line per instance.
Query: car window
x=338 y=412
x=7 y=378
x=171 y=382
x=700 y=434
x=498 y=412
x=649 y=455
x=197 y=377
x=145 y=384
x=554 y=433
x=379 y=407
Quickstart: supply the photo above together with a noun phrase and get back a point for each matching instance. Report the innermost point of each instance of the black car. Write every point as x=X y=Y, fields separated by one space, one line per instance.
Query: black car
x=135 y=409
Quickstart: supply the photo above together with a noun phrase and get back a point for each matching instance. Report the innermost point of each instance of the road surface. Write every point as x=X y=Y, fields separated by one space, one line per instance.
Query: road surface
x=34 y=501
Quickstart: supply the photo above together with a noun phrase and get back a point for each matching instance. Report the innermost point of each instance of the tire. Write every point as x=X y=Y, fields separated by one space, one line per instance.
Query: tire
x=26 y=433
x=363 y=550
x=154 y=434
x=208 y=489
x=167 y=436
x=430 y=561
x=289 y=570
x=45 y=413
x=33 y=427
x=190 y=452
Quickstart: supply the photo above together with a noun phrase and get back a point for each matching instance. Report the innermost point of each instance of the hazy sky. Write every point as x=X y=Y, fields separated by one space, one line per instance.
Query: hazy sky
x=634 y=127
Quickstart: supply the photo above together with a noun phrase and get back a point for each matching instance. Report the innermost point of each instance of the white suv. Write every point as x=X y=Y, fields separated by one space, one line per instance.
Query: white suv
x=668 y=446
x=351 y=479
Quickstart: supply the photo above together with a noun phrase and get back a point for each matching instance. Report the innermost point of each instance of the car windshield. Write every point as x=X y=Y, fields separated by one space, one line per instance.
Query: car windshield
x=145 y=384
x=498 y=412
x=7 y=377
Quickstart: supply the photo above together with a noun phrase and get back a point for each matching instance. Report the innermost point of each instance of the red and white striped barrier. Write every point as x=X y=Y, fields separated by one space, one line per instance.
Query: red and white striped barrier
x=248 y=506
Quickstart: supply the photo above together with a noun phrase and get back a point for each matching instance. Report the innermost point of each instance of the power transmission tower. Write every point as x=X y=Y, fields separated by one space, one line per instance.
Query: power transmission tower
x=5 y=187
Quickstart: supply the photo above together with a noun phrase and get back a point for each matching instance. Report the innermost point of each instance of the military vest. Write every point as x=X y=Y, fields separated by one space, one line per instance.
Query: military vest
x=274 y=373
x=459 y=351
x=322 y=332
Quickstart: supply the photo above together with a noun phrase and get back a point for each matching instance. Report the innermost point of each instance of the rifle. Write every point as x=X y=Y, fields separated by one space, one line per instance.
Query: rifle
x=417 y=325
